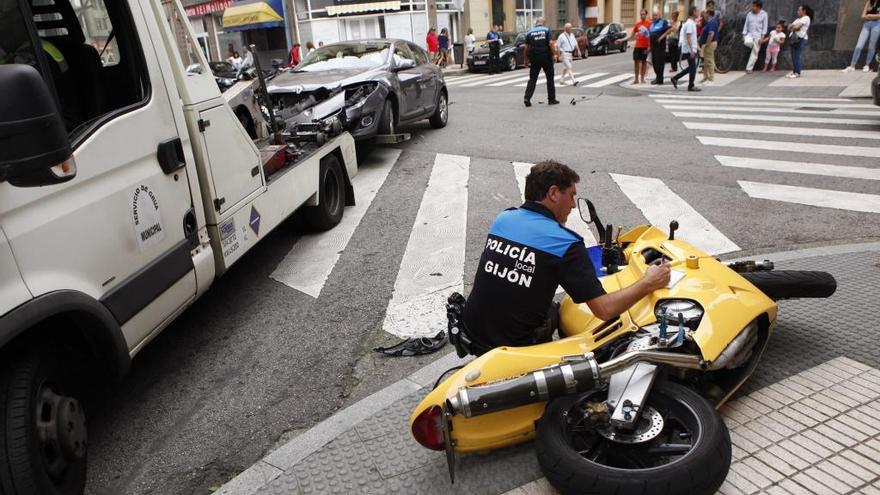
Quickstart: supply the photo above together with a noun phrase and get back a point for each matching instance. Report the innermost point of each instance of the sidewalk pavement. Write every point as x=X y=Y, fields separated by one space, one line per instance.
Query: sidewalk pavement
x=808 y=421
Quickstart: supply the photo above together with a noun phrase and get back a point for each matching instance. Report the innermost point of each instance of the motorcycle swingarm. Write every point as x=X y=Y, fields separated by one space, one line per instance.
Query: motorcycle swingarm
x=627 y=392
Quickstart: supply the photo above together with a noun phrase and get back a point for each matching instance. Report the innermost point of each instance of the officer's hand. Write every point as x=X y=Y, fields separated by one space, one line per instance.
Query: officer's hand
x=657 y=277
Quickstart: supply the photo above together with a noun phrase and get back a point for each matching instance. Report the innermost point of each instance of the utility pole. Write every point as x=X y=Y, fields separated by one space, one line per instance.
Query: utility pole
x=291 y=27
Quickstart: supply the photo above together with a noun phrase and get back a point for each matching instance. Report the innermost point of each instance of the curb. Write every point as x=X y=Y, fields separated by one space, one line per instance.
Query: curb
x=276 y=462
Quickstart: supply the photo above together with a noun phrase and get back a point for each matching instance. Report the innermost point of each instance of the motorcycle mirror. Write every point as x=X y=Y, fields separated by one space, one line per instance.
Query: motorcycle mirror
x=584 y=210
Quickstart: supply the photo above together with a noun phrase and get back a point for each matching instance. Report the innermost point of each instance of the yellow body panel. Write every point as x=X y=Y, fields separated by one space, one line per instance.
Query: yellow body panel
x=730 y=303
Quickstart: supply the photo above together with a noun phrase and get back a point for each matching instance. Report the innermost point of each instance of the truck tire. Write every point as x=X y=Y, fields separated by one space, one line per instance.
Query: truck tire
x=441 y=114
x=43 y=439
x=624 y=469
x=331 y=196
x=792 y=284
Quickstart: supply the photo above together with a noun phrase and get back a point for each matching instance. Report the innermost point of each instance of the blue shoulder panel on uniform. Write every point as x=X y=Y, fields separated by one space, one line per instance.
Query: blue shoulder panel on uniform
x=535 y=230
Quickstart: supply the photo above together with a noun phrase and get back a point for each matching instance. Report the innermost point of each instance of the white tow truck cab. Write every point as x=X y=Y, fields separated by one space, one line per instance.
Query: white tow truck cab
x=126 y=186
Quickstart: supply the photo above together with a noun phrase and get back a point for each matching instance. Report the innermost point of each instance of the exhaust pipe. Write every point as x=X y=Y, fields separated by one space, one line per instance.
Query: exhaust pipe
x=576 y=374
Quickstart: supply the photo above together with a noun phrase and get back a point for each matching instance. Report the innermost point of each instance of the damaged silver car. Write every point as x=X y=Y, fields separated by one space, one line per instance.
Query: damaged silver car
x=372 y=86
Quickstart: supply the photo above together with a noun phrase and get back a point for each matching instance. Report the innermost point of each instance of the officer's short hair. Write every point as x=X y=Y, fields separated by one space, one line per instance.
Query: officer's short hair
x=548 y=173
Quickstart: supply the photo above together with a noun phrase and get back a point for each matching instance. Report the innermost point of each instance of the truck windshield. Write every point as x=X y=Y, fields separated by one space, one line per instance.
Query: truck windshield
x=346 y=56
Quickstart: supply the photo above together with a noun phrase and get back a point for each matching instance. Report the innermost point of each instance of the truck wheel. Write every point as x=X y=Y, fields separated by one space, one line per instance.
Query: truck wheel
x=43 y=440
x=331 y=196
x=441 y=115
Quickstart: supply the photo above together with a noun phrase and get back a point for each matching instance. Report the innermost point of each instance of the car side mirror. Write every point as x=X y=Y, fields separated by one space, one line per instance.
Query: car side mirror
x=34 y=146
x=405 y=64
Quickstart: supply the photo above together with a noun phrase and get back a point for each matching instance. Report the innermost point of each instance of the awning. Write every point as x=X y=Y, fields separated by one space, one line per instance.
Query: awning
x=253 y=14
x=355 y=8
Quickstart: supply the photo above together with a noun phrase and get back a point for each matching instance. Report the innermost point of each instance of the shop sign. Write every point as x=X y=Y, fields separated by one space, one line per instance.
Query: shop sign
x=208 y=7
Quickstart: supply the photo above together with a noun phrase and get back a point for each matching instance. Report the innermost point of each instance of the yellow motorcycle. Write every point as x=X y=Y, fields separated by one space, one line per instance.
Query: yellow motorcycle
x=626 y=406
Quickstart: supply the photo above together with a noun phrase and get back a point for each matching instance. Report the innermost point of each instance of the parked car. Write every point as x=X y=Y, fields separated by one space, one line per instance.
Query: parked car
x=603 y=36
x=381 y=83
x=510 y=55
x=580 y=35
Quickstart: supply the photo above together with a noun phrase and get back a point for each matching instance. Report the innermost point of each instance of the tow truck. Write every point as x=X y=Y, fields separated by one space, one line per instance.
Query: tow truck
x=127 y=186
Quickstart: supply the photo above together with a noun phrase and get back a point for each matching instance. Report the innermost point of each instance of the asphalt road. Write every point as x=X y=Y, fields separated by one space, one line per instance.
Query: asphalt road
x=255 y=361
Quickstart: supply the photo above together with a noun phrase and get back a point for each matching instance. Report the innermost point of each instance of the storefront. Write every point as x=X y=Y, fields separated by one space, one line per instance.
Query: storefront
x=260 y=23
x=207 y=22
x=329 y=21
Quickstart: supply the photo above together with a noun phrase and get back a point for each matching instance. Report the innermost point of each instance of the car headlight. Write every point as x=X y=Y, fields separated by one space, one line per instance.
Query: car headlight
x=355 y=96
x=679 y=311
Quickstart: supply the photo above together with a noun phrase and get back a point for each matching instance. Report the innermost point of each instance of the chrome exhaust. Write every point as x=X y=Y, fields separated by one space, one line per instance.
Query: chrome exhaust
x=579 y=373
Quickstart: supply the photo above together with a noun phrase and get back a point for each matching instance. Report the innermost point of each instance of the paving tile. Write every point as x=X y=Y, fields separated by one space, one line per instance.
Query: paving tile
x=851 y=467
x=744 y=409
x=396 y=454
x=810 y=382
x=869 y=490
x=808 y=443
x=749 y=473
x=837 y=425
x=815 y=405
x=812 y=485
x=871 y=464
x=804 y=414
x=776 y=490
x=861 y=421
x=776 y=463
x=343 y=470
x=836 y=400
x=794 y=488
x=763 y=469
x=830 y=481
x=867 y=394
x=851 y=363
x=834 y=434
x=782 y=426
x=800 y=451
x=742 y=442
x=727 y=488
x=754 y=404
x=778 y=389
x=827 y=442
x=787 y=456
x=751 y=436
x=740 y=482
x=840 y=474
x=779 y=418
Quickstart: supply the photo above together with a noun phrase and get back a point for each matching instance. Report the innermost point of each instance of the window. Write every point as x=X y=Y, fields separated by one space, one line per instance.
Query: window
x=628 y=10
x=419 y=55
x=562 y=13
x=401 y=53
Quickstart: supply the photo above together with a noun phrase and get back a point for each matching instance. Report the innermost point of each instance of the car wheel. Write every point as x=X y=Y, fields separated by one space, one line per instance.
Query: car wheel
x=510 y=62
x=386 y=121
x=604 y=50
x=331 y=196
x=43 y=439
x=441 y=114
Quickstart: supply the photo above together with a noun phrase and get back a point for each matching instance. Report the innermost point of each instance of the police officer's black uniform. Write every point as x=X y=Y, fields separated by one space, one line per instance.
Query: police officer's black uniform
x=528 y=254
x=540 y=58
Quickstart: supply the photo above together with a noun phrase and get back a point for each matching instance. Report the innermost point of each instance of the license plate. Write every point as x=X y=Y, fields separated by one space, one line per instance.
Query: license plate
x=479 y=62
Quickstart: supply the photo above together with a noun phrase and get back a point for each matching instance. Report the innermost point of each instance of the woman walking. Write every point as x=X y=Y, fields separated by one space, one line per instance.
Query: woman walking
x=470 y=41
x=672 y=49
x=870 y=34
x=443 y=42
x=798 y=38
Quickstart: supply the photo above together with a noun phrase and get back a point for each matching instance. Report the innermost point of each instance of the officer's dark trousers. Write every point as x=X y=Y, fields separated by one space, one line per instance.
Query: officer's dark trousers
x=658 y=58
x=494 y=60
x=535 y=68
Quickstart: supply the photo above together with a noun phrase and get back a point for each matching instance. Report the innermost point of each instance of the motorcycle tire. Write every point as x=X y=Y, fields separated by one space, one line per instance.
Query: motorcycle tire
x=699 y=471
x=793 y=284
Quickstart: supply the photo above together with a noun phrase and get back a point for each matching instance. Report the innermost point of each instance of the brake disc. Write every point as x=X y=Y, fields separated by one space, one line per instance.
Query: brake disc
x=647 y=428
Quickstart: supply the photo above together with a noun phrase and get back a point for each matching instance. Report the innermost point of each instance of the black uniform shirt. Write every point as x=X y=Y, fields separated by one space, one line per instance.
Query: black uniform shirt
x=538 y=41
x=527 y=255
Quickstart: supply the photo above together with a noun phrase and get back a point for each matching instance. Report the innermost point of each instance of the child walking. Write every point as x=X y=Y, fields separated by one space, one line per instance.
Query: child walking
x=777 y=39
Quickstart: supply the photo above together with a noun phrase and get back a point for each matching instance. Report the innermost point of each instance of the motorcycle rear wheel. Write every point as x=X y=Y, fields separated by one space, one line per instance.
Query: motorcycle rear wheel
x=793 y=284
x=690 y=456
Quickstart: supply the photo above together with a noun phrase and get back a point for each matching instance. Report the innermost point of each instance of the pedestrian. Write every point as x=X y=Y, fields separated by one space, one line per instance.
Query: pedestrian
x=708 y=44
x=235 y=60
x=641 y=32
x=493 y=38
x=568 y=47
x=690 y=49
x=433 y=44
x=719 y=15
x=775 y=41
x=443 y=45
x=539 y=57
x=754 y=31
x=870 y=34
x=797 y=39
x=673 y=52
x=294 y=55
x=659 y=31
x=310 y=47
x=470 y=41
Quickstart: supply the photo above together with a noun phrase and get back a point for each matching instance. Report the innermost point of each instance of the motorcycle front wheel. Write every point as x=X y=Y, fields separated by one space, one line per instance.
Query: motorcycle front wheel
x=688 y=450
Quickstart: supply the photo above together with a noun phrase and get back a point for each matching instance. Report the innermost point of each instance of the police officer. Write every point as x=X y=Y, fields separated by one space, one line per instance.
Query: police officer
x=494 y=40
x=539 y=56
x=529 y=252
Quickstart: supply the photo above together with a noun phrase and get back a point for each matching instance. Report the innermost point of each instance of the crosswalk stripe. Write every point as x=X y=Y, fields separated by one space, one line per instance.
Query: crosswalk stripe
x=575 y=222
x=829 y=111
x=824 y=149
x=433 y=263
x=310 y=261
x=800 y=167
x=610 y=80
x=825 y=198
x=590 y=76
x=494 y=79
x=542 y=80
x=777 y=104
x=750 y=98
x=461 y=79
x=775 y=118
x=791 y=131
x=511 y=81
x=660 y=205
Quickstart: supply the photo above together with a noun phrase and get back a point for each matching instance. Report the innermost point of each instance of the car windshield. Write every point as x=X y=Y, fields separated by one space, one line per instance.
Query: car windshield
x=364 y=55
x=597 y=29
x=508 y=38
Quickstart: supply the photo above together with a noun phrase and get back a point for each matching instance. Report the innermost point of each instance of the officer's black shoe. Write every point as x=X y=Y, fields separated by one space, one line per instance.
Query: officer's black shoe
x=527 y=103
x=675 y=83
x=553 y=102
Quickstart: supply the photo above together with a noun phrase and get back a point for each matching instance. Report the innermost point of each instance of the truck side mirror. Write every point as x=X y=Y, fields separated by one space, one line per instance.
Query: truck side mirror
x=34 y=147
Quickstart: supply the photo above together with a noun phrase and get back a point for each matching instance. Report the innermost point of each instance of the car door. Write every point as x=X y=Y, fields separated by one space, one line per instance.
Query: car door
x=410 y=83
x=431 y=80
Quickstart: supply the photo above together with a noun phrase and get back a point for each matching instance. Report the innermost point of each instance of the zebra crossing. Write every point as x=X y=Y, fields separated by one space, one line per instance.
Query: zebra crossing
x=519 y=79
x=711 y=117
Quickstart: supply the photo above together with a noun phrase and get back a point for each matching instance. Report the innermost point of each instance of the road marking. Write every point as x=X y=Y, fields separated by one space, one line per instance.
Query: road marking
x=555 y=78
x=825 y=198
x=511 y=81
x=714 y=108
x=775 y=118
x=610 y=80
x=311 y=260
x=590 y=76
x=800 y=167
x=824 y=149
x=785 y=104
x=661 y=205
x=433 y=263
x=749 y=98
x=575 y=222
x=493 y=78
x=461 y=79
x=791 y=131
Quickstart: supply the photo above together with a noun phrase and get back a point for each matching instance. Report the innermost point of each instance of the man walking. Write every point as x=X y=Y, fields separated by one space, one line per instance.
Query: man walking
x=567 y=45
x=754 y=31
x=709 y=44
x=688 y=42
x=494 y=40
x=538 y=57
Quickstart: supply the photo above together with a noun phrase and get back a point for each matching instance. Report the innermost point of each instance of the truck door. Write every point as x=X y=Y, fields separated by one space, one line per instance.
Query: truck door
x=117 y=231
